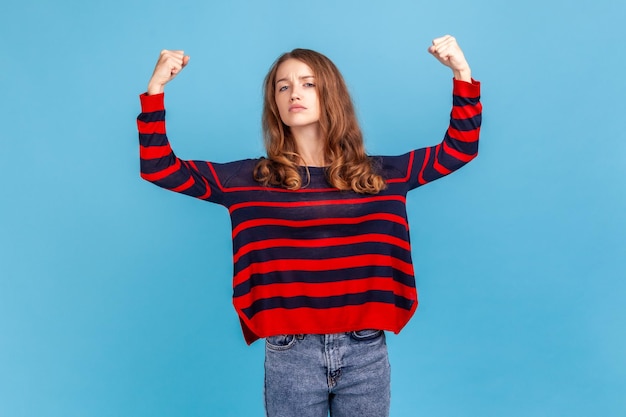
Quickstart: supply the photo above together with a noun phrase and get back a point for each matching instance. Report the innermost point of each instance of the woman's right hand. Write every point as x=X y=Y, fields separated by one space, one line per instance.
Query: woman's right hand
x=168 y=66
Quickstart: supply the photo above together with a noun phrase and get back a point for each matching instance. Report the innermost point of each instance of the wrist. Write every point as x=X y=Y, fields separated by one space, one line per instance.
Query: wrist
x=154 y=88
x=464 y=74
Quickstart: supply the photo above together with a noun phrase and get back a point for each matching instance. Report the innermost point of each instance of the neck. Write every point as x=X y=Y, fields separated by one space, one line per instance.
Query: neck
x=310 y=145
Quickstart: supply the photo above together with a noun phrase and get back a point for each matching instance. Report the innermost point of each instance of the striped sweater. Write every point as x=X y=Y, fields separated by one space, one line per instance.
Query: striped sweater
x=316 y=260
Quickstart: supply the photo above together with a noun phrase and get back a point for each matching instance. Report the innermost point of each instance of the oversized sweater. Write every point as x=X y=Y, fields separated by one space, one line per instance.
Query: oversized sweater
x=316 y=260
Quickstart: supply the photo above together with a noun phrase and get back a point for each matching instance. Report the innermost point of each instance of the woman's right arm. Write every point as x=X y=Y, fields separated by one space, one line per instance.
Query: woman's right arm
x=159 y=164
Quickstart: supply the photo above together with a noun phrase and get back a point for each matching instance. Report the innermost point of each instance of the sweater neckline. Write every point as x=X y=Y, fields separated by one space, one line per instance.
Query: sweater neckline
x=313 y=170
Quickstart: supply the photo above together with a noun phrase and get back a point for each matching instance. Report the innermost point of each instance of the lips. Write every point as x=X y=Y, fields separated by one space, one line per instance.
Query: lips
x=296 y=108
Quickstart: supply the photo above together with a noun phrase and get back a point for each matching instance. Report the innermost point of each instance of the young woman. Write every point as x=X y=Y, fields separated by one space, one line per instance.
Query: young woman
x=322 y=261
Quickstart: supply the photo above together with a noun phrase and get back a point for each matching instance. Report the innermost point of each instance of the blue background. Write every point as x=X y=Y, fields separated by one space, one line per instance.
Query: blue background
x=115 y=295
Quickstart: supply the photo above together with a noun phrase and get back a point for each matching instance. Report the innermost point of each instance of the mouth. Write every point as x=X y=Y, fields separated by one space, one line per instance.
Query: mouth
x=296 y=108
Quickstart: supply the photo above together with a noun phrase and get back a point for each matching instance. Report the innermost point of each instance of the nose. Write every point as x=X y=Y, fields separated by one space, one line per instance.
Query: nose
x=294 y=95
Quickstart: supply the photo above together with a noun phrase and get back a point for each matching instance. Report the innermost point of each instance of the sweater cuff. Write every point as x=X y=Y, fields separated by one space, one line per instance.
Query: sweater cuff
x=151 y=103
x=466 y=89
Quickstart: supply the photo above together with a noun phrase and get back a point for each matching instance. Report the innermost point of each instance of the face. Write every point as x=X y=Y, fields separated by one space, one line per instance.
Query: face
x=295 y=94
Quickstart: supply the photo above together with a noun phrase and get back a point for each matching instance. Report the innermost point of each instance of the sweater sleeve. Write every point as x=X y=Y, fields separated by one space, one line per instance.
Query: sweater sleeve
x=460 y=142
x=160 y=166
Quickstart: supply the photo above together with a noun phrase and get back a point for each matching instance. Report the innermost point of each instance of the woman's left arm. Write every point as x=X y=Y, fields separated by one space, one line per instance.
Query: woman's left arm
x=460 y=142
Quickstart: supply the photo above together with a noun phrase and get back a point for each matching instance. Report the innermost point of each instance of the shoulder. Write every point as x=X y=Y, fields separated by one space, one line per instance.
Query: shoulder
x=395 y=166
x=235 y=173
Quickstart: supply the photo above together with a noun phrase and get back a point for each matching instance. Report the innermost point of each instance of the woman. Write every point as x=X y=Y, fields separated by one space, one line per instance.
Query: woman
x=322 y=261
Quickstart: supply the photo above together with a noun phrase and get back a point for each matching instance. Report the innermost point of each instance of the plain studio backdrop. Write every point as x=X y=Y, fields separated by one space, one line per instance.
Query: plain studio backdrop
x=115 y=295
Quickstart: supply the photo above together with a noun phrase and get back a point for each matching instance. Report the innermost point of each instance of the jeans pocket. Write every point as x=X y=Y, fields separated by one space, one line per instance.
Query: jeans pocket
x=366 y=334
x=280 y=342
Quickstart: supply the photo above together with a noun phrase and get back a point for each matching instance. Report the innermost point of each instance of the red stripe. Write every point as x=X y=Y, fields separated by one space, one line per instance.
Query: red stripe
x=332 y=264
x=207 y=194
x=315 y=203
x=152 y=103
x=154 y=152
x=318 y=222
x=148 y=128
x=464 y=136
x=466 y=112
x=436 y=165
x=420 y=176
x=326 y=289
x=410 y=167
x=456 y=154
x=320 y=243
x=163 y=173
x=466 y=89
x=187 y=184
x=332 y=320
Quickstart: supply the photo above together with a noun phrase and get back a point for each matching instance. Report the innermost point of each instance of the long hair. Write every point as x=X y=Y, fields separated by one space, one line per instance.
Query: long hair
x=350 y=168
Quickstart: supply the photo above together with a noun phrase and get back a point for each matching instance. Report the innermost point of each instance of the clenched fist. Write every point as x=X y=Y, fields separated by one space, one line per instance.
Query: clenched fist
x=168 y=66
x=448 y=52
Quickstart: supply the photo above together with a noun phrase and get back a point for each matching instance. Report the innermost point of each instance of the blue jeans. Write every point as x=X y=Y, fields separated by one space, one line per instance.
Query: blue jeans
x=346 y=374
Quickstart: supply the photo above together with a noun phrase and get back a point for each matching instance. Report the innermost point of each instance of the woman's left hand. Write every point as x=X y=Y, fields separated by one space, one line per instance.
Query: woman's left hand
x=449 y=53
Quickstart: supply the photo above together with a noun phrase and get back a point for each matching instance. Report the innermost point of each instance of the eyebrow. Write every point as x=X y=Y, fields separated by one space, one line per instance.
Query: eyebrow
x=300 y=78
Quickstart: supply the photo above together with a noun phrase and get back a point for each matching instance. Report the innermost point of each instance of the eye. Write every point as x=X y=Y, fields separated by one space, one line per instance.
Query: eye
x=309 y=85
x=282 y=88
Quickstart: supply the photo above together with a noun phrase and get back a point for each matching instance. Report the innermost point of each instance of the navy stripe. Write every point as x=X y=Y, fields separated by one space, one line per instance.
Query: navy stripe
x=151 y=166
x=466 y=124
x=290 y=303
x=300 y=212
x=468 y=148
x=310 y=195
x=458 y=101
x=153 y=139
x=308 y=277
x=155 y=116
x=262 y=233
x=322 y=253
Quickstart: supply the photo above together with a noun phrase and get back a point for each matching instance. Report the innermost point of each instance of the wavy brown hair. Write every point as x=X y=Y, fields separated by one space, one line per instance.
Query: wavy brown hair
x=350 y=167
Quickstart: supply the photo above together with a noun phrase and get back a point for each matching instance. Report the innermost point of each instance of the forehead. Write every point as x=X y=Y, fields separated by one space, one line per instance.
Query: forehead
x=293 y=68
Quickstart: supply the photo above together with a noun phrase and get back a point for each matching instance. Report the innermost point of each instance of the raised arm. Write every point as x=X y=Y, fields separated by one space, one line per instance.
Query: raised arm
x=159 y=164
x=460 y=142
